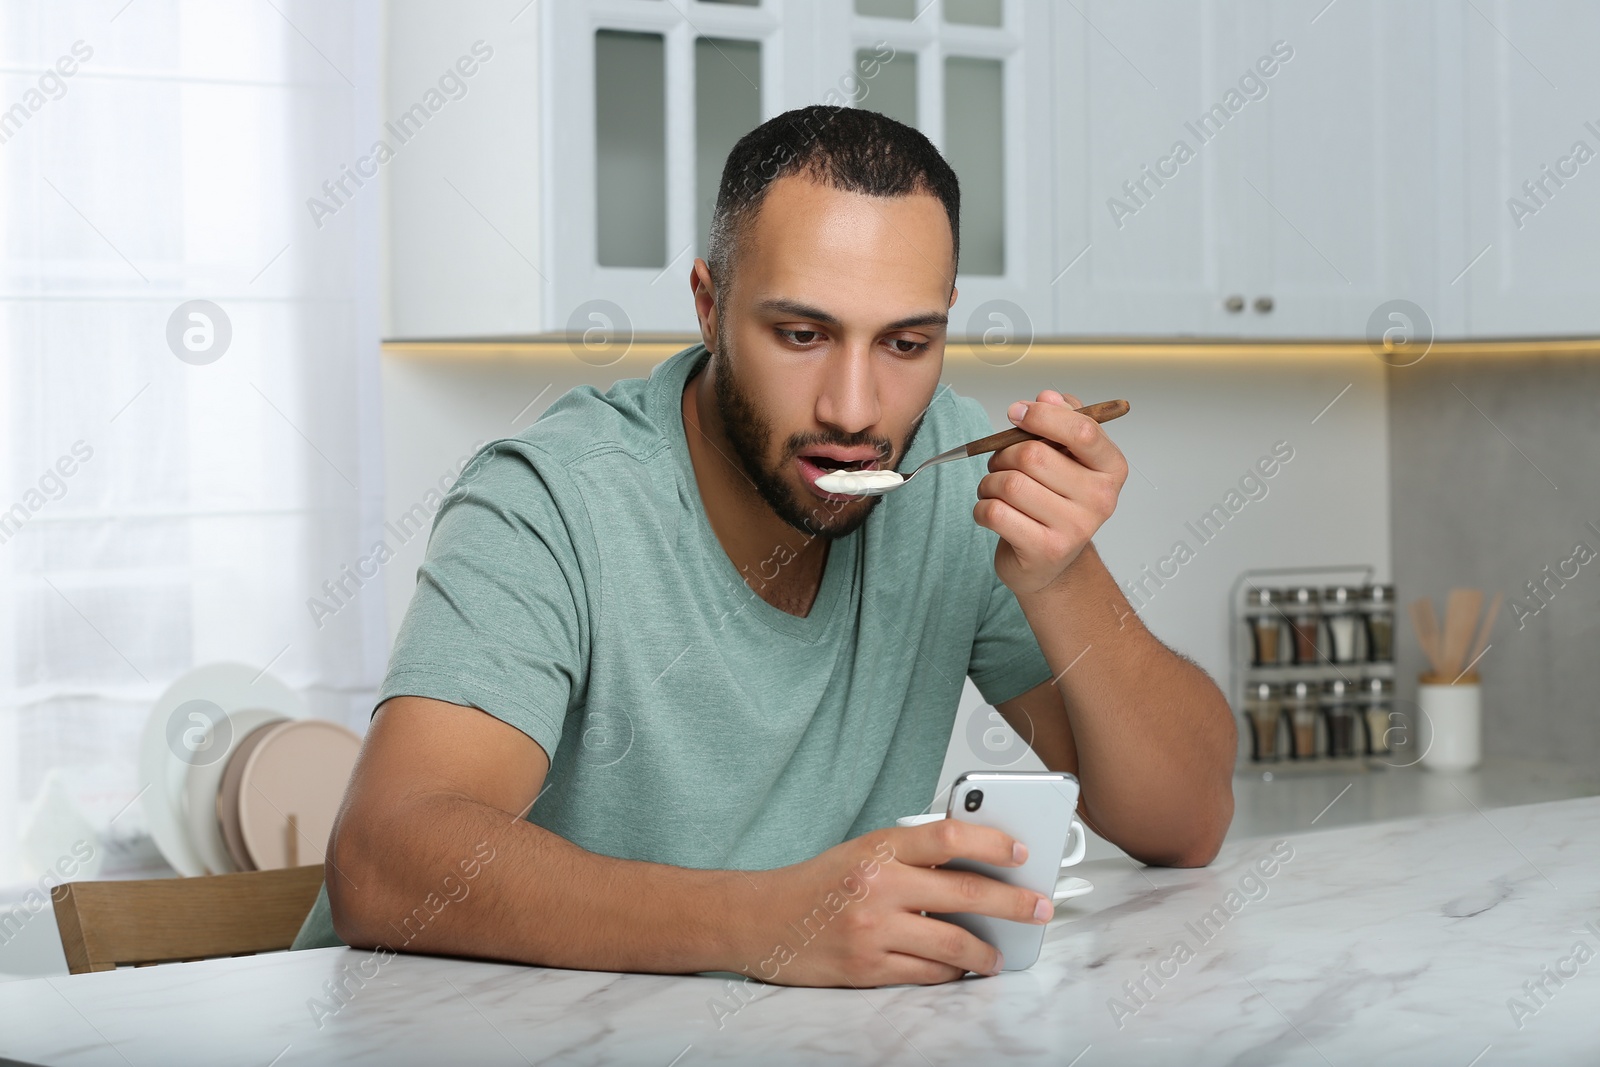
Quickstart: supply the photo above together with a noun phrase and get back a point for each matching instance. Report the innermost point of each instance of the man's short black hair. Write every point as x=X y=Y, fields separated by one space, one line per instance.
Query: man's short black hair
x=849 y=148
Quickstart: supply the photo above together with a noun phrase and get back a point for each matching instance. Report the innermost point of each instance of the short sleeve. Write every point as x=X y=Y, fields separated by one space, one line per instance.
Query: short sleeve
x=498 y=620
x=1006 y=658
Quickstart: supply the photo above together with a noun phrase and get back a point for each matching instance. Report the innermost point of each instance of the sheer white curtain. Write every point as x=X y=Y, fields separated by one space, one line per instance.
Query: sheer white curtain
x=159 y=512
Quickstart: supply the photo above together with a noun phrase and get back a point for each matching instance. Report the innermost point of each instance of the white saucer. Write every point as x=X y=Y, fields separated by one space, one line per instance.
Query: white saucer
x=1068 y=888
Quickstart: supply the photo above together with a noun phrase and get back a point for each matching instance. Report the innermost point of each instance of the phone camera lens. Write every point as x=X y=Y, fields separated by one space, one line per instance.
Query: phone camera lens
x=975 y=800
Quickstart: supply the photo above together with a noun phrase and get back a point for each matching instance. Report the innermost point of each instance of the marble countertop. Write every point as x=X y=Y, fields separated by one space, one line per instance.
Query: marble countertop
x=1277 y=801
x=1463 y=939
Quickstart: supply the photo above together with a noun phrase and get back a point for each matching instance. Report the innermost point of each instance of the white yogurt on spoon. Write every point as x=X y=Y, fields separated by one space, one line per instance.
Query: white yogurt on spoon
x=855 y=483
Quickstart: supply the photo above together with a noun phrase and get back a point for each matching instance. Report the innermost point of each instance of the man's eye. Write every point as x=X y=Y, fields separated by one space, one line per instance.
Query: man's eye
x=907 y=348
x=799 y=337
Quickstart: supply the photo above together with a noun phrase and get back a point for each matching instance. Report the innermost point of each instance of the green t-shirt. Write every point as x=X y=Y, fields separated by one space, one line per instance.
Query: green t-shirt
x=573 y=588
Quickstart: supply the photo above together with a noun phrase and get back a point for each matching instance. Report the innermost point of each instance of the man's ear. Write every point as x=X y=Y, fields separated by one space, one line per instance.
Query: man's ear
x=705 y=303
x=953 y=293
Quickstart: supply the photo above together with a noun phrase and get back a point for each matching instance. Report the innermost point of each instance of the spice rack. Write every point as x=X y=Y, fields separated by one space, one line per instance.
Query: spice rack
x=1312 y=650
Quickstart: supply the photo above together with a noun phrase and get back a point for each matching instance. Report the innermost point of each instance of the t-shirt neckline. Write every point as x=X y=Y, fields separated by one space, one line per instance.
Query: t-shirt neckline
x=734 y=595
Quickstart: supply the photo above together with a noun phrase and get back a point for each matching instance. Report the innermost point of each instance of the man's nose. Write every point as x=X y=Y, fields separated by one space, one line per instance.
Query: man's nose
x=848 y=400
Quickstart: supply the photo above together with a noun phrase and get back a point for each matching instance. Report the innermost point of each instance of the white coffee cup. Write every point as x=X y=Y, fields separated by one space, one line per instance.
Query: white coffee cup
x=1078 y=844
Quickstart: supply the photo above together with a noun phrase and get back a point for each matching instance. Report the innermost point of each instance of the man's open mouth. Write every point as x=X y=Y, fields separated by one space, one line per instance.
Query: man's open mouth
x=828 y=463
x=828 y=459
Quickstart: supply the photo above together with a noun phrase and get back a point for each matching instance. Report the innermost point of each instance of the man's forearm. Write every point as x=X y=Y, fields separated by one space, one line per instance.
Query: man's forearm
x=1154 y=736
x=403 y=883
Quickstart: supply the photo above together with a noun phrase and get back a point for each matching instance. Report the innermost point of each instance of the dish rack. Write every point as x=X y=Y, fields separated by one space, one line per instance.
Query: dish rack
x=1246 y=674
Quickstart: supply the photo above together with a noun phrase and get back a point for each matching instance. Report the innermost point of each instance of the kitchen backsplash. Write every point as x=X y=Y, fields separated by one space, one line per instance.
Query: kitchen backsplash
x=1496 y=484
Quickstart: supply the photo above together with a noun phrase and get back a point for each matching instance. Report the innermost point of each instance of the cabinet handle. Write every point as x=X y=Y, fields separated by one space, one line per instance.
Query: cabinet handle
x=1263 y=305
x=1234 y=304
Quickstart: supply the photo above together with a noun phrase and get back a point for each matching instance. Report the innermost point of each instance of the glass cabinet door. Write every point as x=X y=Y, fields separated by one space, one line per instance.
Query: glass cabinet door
x=643 y=99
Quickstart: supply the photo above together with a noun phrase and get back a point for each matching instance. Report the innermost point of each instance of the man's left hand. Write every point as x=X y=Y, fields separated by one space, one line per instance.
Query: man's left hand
x=1047 y=498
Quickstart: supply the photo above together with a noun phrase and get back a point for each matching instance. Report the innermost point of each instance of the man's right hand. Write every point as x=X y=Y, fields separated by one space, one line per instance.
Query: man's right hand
x=852 y=916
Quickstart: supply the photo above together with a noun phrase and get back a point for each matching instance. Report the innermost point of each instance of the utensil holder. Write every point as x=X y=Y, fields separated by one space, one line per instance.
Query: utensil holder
x=1451 y=730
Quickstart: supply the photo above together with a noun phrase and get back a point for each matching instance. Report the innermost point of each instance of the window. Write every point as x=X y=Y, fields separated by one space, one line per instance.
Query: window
x=188 y=374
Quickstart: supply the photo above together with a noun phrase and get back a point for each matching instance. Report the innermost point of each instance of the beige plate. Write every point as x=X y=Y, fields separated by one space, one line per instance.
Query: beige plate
x=300 y=768
x=228 y=797
x=204 y=786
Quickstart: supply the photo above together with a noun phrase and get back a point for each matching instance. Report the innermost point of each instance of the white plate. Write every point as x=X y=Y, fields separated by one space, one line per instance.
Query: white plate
x=200 y=791
x=163 y=774
x=1068 y=888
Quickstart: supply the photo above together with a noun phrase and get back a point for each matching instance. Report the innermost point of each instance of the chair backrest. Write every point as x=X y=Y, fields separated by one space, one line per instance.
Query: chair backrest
x=164 y=920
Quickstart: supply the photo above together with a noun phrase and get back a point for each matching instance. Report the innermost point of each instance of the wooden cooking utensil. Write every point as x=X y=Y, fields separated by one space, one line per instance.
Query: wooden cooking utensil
x=1427 y=624
x=1482 y=642
x=1460 y=618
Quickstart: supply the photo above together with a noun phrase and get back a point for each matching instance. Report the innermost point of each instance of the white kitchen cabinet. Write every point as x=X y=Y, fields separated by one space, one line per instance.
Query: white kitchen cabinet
x=1338 y=167
x=573 y=195
x=1532 y=132
x=1139 y=253
x=1232 y=167
x=461 y=194
x=1222 y=168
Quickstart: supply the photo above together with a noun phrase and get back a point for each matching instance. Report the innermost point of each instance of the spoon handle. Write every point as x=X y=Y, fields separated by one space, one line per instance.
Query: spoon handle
x=1104 y=411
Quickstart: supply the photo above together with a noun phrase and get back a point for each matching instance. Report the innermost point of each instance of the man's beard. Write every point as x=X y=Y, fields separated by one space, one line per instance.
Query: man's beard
x=748 y=430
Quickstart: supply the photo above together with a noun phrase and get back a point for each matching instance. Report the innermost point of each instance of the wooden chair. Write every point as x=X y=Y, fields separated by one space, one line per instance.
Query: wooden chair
x=164 y=920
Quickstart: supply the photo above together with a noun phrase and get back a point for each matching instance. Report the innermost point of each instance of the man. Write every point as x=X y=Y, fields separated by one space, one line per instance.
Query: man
x=657 y=700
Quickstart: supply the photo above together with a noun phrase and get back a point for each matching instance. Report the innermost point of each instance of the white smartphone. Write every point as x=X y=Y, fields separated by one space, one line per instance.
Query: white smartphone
x=1036 y=808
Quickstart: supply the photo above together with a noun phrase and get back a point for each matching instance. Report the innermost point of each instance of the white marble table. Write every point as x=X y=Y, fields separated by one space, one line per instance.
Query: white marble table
x=1398 y=942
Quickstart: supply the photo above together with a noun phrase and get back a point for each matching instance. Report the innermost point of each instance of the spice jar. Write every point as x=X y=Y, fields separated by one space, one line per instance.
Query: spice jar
x=1261 y=705
x=1340 y=618
x=1377 y=707
x=1302 y=609
x=1300 y=707
x=1377 y=611
x=1339 y=718
x=1265 y=620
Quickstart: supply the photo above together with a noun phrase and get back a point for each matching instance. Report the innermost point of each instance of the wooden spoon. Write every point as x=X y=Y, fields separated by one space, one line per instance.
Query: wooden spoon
x=1427 y=624
x=1460 y=618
